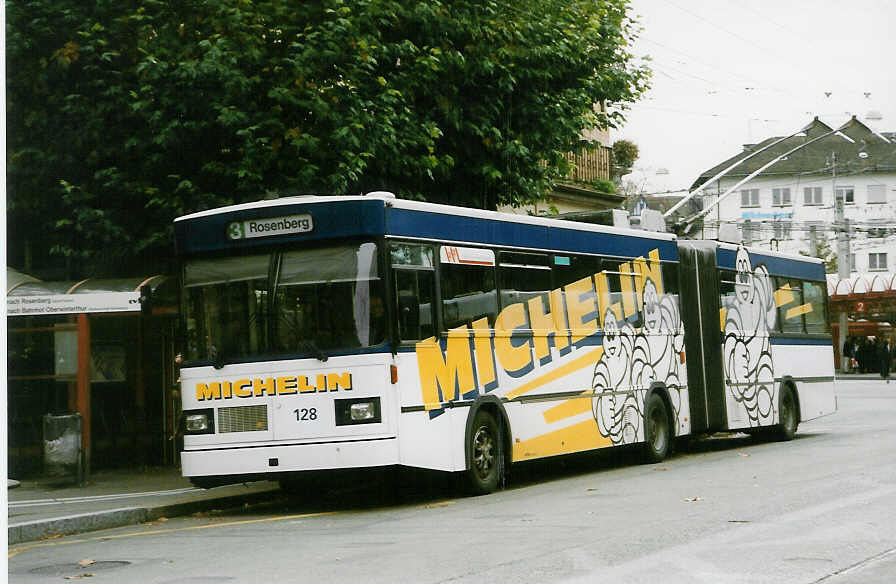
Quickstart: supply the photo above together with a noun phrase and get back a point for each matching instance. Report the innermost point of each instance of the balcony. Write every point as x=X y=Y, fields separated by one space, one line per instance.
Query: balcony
x=590 y=165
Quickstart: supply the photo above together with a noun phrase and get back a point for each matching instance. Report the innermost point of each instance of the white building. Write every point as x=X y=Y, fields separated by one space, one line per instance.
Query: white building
x=790 y=205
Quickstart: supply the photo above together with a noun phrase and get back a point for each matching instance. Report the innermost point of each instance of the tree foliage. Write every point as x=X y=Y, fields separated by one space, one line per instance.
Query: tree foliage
x=625 y=153
x=123 y=115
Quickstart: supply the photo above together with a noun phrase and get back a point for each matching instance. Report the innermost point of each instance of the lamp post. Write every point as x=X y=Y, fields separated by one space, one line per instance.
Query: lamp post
x=843 y=267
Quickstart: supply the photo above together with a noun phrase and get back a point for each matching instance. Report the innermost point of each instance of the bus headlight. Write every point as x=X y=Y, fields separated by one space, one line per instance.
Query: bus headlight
x=358 y=411
x=199 y=421
x=362 y=411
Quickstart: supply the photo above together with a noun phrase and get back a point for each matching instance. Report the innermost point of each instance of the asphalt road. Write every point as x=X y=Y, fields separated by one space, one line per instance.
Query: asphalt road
x=821 y=508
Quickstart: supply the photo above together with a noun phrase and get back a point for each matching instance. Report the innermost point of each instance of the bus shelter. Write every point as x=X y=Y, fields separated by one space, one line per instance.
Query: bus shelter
x=102 y=348
x=869 y=301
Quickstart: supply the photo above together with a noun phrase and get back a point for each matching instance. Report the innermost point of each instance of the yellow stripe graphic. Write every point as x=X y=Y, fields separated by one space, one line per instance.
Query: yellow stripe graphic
x=784 y=296
x=575 y=438
x=722 y=313
x=588 y=358
x=798 y=310
x=568 y=409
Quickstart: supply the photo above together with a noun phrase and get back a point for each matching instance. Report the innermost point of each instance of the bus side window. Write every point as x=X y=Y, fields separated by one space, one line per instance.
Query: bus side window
x=727 y=296
x=414 y=290
x=789 y=298
x=816 y=318
x=670 y=279
x=627 y=307
x=571 y=268
x=522 y=276
x=467 y=287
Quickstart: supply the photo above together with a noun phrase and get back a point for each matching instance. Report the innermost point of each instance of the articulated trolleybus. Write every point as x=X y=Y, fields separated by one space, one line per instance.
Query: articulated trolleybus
x=368 y=331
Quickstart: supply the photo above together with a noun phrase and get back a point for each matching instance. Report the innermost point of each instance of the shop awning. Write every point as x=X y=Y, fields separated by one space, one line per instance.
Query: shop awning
x=868 y=295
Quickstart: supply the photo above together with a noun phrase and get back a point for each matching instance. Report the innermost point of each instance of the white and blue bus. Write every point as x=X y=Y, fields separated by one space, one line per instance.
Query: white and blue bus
x=369 y=331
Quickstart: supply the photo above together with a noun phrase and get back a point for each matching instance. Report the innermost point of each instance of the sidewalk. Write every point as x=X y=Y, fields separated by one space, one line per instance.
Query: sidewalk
x=42 y=508
x=840 y=376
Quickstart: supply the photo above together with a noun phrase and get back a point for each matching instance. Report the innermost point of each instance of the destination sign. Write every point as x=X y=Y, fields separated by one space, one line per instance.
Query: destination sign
x=271 y=226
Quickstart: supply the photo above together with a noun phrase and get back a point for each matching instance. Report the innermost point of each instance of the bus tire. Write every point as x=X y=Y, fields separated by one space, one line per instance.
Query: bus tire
x=788 y=415
x=657 y=430
x=486 y=454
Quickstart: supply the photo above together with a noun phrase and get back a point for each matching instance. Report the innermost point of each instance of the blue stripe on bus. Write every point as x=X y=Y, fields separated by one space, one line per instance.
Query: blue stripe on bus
x=331 y=219
x=776 y=266
x=801 y=341
x=354 y=218
x=420 y=224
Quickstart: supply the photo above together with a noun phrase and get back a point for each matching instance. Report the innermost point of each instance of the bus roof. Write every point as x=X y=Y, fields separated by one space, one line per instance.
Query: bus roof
x=278 y=221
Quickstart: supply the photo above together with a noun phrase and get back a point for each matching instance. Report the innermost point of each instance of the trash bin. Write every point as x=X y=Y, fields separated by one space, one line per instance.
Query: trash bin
x=62 y=446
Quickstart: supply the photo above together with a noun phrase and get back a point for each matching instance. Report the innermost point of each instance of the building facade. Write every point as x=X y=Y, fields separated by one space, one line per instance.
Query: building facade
x=791 y=205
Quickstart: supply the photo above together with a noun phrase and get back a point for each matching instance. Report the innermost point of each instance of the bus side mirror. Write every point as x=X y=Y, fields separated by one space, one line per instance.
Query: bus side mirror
x=146 y=300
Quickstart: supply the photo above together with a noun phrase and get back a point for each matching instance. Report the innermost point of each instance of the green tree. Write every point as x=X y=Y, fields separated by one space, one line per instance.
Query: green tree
x=625 y=153
x=820 y=247
x=123 y=115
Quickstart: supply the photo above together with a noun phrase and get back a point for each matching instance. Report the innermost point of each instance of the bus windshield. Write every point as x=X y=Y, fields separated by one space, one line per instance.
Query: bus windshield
x=291 y=303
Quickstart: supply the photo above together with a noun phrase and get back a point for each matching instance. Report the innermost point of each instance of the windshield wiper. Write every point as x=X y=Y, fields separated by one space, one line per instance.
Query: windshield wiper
x=218 y=358
x=314 y=350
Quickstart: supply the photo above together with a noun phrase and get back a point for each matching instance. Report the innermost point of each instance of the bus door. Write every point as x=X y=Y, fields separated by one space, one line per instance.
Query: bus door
x=699 y=281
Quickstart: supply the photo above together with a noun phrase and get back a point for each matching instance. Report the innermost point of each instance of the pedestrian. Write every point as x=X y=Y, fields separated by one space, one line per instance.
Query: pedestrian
x=847 y=355
x=883 y=356
x=861 y=354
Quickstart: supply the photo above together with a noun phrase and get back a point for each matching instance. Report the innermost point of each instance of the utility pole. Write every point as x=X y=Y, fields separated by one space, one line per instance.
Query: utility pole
x=843 y=267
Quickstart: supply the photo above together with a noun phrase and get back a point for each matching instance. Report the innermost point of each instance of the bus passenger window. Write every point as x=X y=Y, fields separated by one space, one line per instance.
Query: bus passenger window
x=789 y=298
x=414 y=290
x=522 y=276
x=467 y=286
x=572 y=268
x=813 y=297
x=414 y=293
x=726 y=288
x=626 y=307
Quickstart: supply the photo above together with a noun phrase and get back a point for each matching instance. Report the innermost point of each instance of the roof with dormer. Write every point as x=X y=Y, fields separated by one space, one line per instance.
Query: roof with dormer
x=855 y=148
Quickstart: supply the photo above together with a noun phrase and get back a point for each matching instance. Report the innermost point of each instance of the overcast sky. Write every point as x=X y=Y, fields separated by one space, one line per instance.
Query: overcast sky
x=733 y=72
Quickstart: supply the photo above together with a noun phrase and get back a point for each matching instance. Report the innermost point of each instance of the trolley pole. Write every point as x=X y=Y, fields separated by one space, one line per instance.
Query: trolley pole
x=843 y=267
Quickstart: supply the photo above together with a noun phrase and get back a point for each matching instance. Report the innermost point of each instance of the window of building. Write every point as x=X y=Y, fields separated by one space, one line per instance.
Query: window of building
x=781 y=197
x=877 y=193
x=747 y=230
x=749 y=198
x=781 y=229
x=848 y=194
x=878 y=232
x=812 y=196
x=852 y=262
x=877 y=262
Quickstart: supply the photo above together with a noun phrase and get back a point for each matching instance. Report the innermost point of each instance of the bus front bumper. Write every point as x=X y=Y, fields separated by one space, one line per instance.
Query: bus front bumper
x=289 y=458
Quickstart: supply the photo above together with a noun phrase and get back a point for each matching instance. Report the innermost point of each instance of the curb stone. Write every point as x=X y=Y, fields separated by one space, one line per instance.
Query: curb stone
x=111 y=518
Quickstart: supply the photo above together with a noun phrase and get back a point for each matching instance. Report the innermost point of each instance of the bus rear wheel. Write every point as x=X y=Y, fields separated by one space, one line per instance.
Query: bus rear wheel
x=486 y=455
x=788 y=415
x=658 y=430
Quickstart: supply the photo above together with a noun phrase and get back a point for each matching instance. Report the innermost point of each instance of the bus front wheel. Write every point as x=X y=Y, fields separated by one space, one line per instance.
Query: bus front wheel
x=486 y=454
